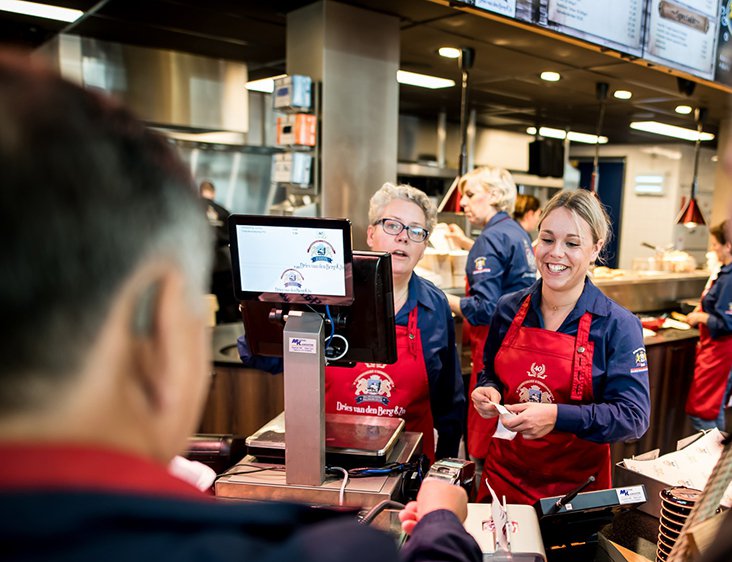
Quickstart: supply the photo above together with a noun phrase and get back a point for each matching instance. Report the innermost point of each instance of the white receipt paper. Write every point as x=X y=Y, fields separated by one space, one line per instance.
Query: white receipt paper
x=501 y=431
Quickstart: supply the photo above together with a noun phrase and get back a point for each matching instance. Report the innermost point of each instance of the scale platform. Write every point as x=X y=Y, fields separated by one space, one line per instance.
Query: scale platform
x=254 y=480
x=350 y=441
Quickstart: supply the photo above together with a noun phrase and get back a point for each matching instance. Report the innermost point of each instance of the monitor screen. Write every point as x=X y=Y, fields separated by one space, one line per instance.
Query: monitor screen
x=291 y=259
x=367 y=325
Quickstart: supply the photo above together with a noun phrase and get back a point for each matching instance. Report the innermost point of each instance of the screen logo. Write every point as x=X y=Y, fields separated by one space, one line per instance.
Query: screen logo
x=321 y=250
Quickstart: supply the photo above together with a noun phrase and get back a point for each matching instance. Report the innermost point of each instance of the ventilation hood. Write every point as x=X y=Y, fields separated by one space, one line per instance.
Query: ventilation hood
x=164 y=88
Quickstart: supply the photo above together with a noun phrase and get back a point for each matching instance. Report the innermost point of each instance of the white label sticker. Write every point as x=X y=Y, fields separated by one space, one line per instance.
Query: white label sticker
x=631 y=494
x=302 y=345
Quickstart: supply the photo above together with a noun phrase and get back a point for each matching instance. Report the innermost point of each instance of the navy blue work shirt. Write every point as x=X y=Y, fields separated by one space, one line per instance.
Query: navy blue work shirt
x=501 y=261
x=621 y=406
x=718 y=304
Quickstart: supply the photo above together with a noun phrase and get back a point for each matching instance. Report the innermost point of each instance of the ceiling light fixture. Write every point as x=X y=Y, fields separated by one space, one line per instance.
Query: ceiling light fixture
x=684 y=109
x=264 y=85
x=573 y=136
x=690 y=215
x=623 y=94
x=423 y=80
x=550 y=76
x=40 y=10
x=670 y=130
x=449 y=52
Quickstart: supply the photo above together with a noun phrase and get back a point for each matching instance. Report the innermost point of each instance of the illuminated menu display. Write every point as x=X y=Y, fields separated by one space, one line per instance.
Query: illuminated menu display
x=617 y=25
x=683 y=35
x=503 y=7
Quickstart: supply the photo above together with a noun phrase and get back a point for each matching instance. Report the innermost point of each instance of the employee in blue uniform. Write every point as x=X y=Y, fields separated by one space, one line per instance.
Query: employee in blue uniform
x=97 y=399
x=425 y=384
x=567 y=360
x=500 y=261
x=705 y=404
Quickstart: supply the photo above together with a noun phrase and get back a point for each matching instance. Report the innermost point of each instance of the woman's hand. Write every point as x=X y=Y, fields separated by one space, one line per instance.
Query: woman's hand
x=458 y=237
x=482 y=398
x=696 y=318
x=533 y=420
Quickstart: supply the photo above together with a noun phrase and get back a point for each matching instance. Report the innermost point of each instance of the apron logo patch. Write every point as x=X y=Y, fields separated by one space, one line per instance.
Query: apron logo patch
x=538 y=371
x=373 y=386
x=534 y=391
x=728 y=312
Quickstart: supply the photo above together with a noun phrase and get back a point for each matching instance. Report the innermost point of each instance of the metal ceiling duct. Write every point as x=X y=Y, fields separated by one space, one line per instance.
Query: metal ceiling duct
x=164 y=88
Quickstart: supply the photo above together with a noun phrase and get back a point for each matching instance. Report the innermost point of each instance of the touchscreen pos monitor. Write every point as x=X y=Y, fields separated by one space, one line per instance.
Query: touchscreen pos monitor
x=281 y=264
x=291 y=259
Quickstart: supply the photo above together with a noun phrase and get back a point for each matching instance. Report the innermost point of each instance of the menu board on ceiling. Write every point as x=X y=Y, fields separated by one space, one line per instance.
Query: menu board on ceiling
x=723 y=67
x=683 y=35
x=517 y=9
x=617 y=25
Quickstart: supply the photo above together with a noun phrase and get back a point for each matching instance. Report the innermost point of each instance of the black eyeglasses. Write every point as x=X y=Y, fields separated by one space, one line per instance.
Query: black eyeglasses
x=394 y=227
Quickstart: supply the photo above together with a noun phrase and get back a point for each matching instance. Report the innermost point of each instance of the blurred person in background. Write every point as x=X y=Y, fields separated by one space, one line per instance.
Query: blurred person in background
x=222 y=284
x=527 y=212
x=500 y=261
x=710 y=385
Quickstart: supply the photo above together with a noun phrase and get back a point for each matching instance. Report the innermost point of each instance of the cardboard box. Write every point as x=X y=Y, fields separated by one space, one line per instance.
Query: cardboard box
x=296 y=129
x=625 y=477
x=292 y=167
x=293 y=92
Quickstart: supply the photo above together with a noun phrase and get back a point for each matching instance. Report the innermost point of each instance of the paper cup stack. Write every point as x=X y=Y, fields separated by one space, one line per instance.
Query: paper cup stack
x=676 y=505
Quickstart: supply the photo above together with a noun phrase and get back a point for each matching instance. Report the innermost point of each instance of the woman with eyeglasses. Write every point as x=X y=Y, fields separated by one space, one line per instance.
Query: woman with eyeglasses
x=500 y=261
x=424 y=386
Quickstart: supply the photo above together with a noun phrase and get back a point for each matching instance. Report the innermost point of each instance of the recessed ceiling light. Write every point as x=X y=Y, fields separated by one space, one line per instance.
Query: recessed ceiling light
x=684 y=109
x=449 y=52
x=670 y=130
x=40 y=10
x=573 y=136
x=550 y=76
x=264 y=85
x=623 y=94
x=423 y=80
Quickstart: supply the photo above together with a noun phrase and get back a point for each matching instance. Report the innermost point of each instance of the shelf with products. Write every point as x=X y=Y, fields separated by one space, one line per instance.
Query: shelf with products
x=296 y=170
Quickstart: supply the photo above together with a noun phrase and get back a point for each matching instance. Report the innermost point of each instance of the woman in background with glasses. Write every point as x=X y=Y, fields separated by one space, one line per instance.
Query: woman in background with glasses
x=424 y=386
x=500 y=261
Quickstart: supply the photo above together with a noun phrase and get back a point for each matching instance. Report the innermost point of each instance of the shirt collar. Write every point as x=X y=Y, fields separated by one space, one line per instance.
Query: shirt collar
x=591 y=300
x=83 y=467
x=498 y=217
x=418 y=293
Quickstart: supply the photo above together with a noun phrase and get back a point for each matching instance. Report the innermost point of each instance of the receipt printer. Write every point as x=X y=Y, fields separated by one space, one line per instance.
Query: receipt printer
x=454 y=471
x=524 y=536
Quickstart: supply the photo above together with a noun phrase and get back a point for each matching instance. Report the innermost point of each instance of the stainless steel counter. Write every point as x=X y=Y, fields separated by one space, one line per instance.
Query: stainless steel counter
x=653 y=292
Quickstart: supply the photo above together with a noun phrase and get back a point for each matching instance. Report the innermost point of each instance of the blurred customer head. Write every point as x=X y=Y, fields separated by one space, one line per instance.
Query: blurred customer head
x=485 y=192
x=103 y=324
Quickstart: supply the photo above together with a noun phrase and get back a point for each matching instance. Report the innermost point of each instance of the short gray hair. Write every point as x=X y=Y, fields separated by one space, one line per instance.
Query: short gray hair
x=389 y=192
x=115 y=197
x=493 y=178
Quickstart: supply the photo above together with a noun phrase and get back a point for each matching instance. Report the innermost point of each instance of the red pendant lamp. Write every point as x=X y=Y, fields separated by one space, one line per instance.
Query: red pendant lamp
x=691 y=215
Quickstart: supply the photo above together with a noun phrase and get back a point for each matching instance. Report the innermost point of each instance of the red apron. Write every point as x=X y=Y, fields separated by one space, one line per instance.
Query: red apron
x=480 y=430
x=399 y=390
x=538 y=365
x=712 y=367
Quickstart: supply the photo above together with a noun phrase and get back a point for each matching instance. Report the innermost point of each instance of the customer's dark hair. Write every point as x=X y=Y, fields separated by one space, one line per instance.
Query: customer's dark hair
x=88 y=194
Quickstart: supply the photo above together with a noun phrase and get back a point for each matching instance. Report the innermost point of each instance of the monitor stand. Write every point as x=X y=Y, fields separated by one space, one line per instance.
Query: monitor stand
x=304 y=362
